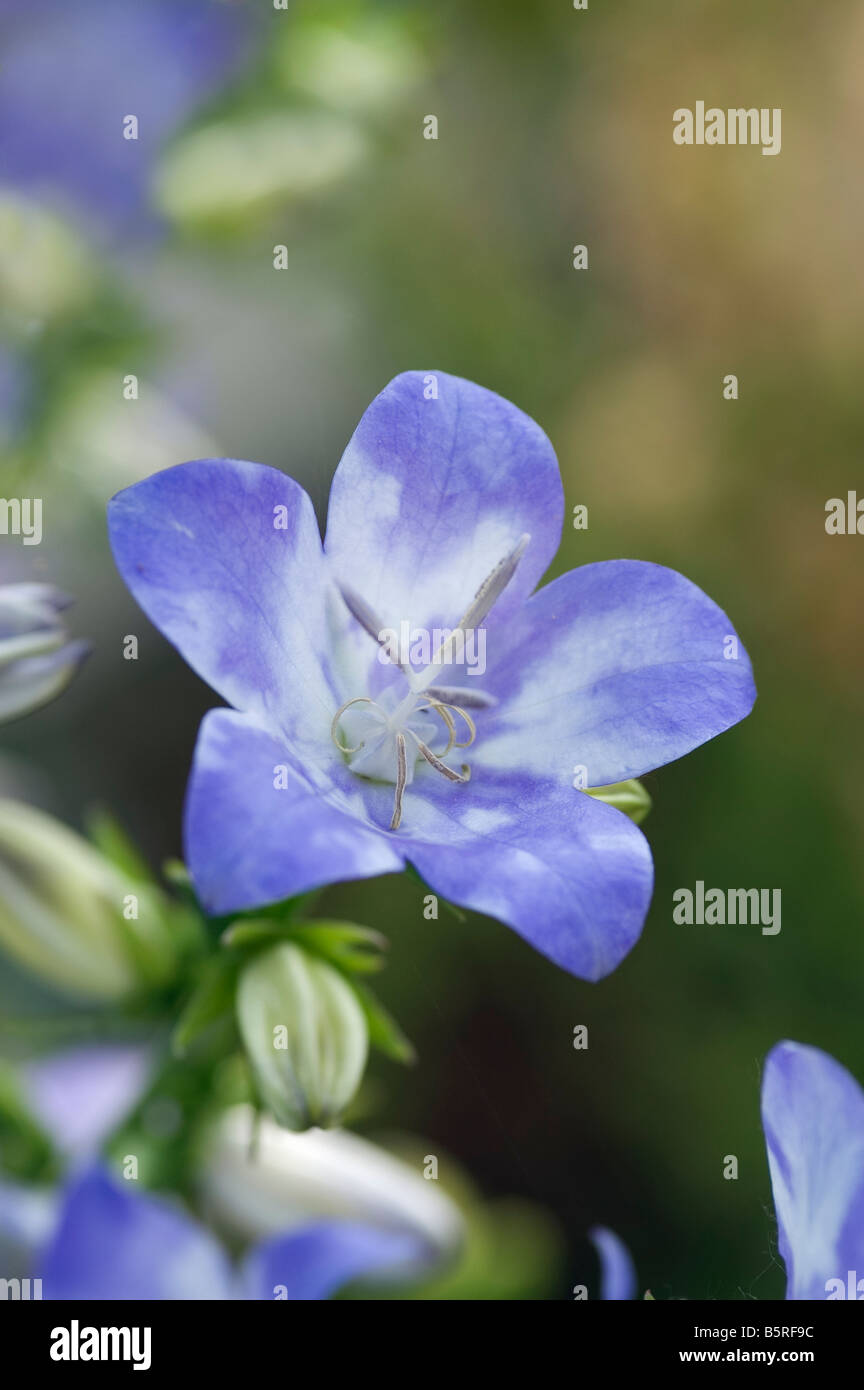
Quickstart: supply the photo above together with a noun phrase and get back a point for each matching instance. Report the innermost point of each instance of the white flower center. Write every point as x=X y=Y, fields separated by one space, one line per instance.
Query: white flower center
x=382 y=739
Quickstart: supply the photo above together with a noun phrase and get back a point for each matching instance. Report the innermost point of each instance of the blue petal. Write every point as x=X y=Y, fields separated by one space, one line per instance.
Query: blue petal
x=249 y=843
x=432 y=493
x=243 y=598
x=315 y=1262
x=813 y=1117
x=114 y=1243
x=617 y=1274
x=81 y=1095
x=618 y=667
x=572 y=875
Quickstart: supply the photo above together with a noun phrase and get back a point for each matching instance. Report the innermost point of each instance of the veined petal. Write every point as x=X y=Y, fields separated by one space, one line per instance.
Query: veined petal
x=617 y=1274
x=315 y=1262
x=225 y=558
x=432 y=493
x=813 y=1117
x=572 y=875
x=250 y=841
x=114 y=1243
x=618 y=668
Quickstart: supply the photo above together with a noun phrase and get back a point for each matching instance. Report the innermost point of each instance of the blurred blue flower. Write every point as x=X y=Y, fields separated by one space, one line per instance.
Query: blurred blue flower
x=617 y=1272
x=813 y=1117
x=70 y=75
x=113 y=1243
x=36 y=660
x=329 y=766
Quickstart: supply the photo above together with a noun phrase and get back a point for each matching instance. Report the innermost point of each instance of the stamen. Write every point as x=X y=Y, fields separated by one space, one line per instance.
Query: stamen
x=401 y=777
x=460 y=695
x=448 y=772
x=486 y=596
x=359 y=609
x=440 y=707
x=493 y=586
x=358 y=700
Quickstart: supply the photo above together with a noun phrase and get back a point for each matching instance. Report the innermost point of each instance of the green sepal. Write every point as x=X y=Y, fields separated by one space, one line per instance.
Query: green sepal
x=629 y=797
x=210 y=1004
x=384 y=1031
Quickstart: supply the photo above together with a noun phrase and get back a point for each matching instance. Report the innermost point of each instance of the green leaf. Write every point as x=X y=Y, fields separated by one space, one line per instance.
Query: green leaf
x=351 y=948
x=108 y=835
x=384 y=1031
x=25 y=1150
x=211 y=1003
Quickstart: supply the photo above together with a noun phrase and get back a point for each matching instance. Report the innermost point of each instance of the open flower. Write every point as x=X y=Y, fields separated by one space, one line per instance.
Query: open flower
x=813 y=1117
x=360 y=673
x=36 y=660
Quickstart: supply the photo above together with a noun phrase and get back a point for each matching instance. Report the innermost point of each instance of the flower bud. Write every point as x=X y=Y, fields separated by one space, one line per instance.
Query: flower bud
x=305 y=1034
x=36 y=661
x=629 y=797
x=72 y=917
x=283 y=1181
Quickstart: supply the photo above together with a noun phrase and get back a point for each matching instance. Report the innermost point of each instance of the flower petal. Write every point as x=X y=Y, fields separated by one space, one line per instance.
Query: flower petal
x=248 y=842
x=618 y=667
x=114 y=1243
x=80 y=1095
x=813 y=1117
x=572 y=875
x=315 y=1262
x=617 y=1274
x=431 y=494
x=225 y=558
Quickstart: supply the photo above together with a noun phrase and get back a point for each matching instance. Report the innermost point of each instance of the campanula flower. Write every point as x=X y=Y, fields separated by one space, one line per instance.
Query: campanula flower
x=37 y=661
x=813 y=1117
x=617 y=1272
x=403 y=695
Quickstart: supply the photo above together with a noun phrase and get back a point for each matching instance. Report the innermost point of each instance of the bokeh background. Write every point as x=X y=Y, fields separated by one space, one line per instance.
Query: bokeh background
x=304 y=127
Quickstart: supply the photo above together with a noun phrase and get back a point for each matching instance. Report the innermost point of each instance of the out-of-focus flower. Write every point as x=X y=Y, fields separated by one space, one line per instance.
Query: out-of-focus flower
x=36 y=660
x=73 y=918
x=279 y=1181
x=80 y=1095
x=617 y=1273
x=111 y=1242
x=305 y=1034
x=813 y=1117
x=72 y=76
x=333 y=763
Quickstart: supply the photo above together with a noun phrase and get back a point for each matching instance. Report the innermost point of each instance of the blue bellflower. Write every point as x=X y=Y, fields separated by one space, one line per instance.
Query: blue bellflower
x=813 y=1117
x=360 y=673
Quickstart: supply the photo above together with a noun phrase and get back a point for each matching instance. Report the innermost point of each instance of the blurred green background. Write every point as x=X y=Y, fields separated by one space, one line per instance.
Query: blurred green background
x=554 y=129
